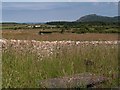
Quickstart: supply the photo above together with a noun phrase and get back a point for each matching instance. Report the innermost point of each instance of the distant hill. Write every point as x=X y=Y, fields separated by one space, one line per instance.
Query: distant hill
x=97 y=18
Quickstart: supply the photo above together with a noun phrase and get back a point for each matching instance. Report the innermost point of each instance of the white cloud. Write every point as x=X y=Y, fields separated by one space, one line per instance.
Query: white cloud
x=34 y=6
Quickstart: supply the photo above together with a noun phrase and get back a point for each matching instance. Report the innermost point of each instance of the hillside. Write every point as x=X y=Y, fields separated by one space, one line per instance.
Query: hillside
x=97 y=18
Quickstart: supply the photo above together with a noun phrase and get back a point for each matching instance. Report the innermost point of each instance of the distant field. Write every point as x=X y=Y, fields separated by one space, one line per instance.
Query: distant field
x=33 y=34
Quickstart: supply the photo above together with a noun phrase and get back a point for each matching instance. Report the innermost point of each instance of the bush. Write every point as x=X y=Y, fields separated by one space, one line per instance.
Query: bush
x=45 y=32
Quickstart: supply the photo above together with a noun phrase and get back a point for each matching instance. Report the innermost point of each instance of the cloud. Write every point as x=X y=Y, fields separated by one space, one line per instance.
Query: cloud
x=33 y=6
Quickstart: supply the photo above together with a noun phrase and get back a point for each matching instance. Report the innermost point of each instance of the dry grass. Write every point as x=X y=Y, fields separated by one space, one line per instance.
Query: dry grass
x=33 y=34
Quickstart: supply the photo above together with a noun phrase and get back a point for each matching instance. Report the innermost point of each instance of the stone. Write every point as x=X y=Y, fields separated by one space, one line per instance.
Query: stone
x=75 y=81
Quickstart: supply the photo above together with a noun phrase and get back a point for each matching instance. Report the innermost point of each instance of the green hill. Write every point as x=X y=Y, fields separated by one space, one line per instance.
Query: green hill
x=97 y=18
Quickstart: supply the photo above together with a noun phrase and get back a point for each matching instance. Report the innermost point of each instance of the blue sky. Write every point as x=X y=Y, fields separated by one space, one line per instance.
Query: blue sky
x=55 y=11
x=59 y=0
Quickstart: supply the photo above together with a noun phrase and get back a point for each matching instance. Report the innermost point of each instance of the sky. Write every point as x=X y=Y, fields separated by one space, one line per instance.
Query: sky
x=59 y=0
x=55 y=11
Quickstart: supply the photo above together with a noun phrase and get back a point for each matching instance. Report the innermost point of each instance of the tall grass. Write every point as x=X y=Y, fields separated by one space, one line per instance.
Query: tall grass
x=26 y=69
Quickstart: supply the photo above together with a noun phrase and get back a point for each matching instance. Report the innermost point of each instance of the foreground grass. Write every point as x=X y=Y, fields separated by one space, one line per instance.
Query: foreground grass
x=26 y=69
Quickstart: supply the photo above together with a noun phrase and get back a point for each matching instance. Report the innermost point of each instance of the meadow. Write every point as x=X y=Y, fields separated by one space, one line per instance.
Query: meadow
x=26 y=62
x=29 y=55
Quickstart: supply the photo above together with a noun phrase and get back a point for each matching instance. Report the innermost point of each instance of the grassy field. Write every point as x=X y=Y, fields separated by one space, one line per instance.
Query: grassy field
x=26 y=63
x=33 y=35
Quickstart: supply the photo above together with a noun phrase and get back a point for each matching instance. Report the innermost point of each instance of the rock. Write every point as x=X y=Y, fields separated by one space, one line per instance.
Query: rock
x=75 y=81
x=88 y=62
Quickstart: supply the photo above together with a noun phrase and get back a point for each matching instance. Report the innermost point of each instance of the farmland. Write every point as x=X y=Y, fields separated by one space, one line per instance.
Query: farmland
x=52 y=31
